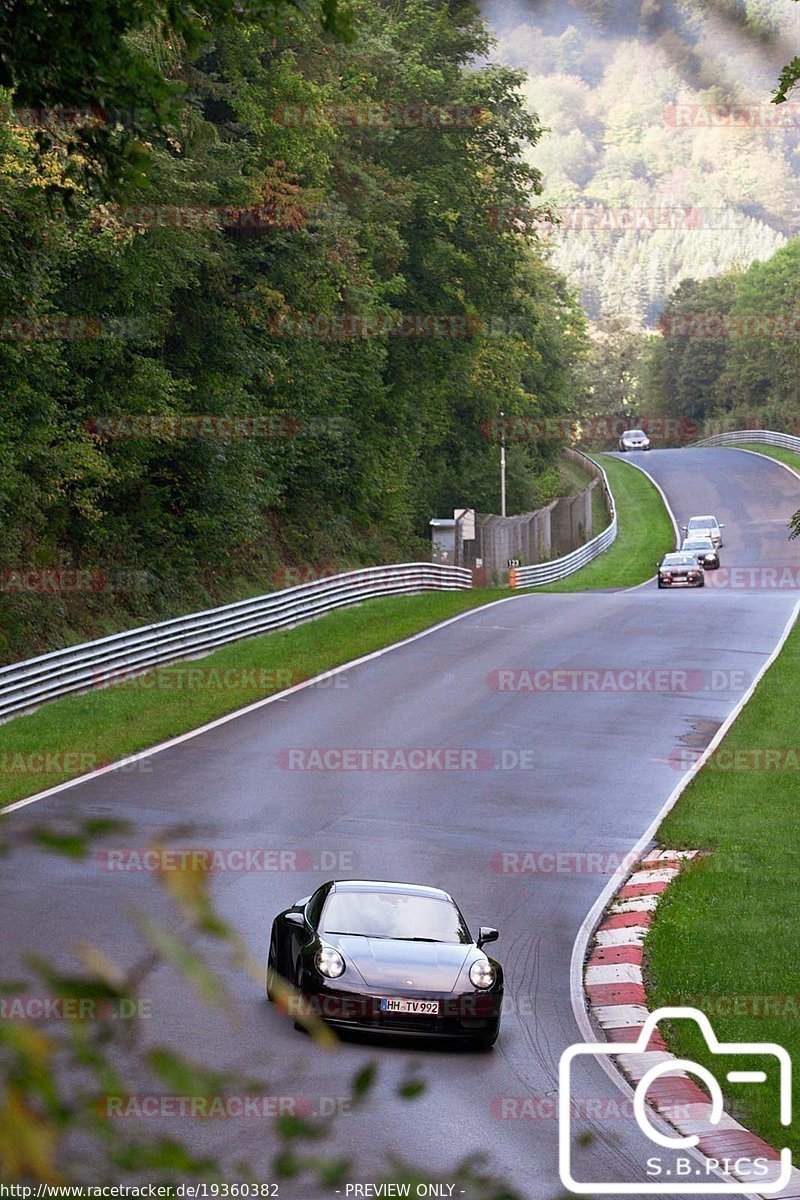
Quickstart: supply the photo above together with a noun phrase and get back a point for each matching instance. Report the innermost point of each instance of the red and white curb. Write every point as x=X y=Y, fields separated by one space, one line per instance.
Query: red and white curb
x=617 y=1001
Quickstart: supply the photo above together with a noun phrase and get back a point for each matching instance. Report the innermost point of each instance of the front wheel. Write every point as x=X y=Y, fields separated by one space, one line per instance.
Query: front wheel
x=660 y=584
x=273 y=966
x=702 y=583
x=298 y=987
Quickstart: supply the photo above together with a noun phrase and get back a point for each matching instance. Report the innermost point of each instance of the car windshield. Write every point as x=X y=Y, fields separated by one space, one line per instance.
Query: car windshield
x=677 y=560
x=393 y=915
x=702 y=523
x=635 y=433
x=698 y=544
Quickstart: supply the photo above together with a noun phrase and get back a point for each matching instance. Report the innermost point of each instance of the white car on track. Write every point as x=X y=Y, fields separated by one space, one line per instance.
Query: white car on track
x=634 y=439
x=705 y=527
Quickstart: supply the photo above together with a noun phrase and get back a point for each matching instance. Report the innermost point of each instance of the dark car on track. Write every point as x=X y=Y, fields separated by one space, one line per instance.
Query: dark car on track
x=388 y=958
x=704 y=551
x=680 y=570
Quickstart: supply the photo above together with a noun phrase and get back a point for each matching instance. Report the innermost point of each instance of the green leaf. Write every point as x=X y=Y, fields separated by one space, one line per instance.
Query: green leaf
x=183 y=1077
x=409 y=1089
x=210 y=990
x=364 y=1080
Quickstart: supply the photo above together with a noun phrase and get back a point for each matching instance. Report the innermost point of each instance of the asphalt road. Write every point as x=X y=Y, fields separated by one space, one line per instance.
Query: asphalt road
x=599 y=765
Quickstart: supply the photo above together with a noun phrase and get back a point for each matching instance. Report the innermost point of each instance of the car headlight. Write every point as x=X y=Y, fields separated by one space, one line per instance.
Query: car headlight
x=329 y=962
x=482 y=973
x=709 y=558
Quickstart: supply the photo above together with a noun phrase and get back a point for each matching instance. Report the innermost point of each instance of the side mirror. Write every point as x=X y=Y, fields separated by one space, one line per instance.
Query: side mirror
x=685 y=528
x=487 y=934
x=294 y=918
x=722 y=526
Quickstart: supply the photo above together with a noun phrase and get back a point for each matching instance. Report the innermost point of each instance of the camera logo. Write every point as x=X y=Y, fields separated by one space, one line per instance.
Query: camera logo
x=674 y=1173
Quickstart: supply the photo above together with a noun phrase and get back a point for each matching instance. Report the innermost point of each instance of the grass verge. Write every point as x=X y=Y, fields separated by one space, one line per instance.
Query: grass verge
x=75 y=734
x=790 y=457
x=724 y=940
x=644 y=534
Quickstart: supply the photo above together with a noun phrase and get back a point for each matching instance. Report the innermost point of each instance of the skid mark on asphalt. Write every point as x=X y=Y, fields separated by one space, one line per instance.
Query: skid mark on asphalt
x=699 y=733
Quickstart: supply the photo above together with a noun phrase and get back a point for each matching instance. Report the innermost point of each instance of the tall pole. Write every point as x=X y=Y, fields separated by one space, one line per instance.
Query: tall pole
x=502 y=464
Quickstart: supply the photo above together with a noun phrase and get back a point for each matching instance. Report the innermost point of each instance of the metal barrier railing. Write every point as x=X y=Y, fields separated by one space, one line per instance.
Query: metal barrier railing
x=25 y=685
x=559 y=568
x=764 y=437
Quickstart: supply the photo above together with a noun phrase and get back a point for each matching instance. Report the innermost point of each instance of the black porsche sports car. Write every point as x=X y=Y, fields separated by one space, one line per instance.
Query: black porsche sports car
x=388 y=958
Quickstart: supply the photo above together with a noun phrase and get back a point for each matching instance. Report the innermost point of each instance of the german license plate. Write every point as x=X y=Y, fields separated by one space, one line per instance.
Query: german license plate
x=419 y=1008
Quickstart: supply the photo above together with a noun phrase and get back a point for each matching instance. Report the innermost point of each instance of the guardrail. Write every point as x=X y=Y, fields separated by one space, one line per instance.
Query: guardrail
x=559 y=568
x=25 y=685
x=764 y=437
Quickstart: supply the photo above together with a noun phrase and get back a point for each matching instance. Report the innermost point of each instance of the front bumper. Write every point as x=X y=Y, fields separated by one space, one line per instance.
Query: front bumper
x=466 y=1016
x=681 y=582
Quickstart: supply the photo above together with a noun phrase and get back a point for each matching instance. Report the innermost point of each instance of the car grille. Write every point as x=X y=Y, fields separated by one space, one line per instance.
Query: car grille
x=404 y=1023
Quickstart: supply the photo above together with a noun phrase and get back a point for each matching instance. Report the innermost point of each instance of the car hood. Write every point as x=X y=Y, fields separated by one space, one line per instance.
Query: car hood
x=390 y=963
